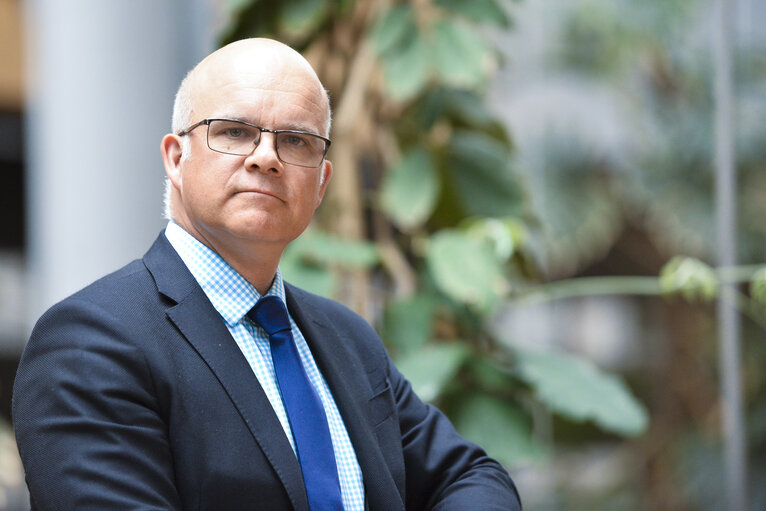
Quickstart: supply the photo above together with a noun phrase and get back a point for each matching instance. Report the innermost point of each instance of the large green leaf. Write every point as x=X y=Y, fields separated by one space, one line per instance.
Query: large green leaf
x=298 y=17
x=406 y=71
x=392 y=28
x=410 y=189
x=576 y=389
x=480 y=166
x=461 y=56
x=501 y=428
x=459 y=106
x=466 y=269
x=408 y=322
x=431 y=368
x=321 y=248
x=482 y=11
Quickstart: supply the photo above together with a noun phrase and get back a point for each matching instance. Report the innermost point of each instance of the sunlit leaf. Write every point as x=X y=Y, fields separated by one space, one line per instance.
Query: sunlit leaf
x=406 y=71
x=481 y=169
x=501 y=428
x=690 y=277
x=410 y=189
x=301 y=16
x=466 y=269
x=461 y=56
x=432 y=367
x=408 y=322
x=392 y=28
x=482 y=11
x=576 y=389
x=504 y=234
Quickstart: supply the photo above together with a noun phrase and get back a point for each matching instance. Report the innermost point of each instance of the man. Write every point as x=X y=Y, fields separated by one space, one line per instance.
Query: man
x=167 y=385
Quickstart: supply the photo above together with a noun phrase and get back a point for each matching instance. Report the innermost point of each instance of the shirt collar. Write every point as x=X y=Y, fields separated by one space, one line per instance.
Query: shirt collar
x=229 y=292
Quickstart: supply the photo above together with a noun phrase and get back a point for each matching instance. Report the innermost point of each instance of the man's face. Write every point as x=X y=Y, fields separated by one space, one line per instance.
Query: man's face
x=229 y=199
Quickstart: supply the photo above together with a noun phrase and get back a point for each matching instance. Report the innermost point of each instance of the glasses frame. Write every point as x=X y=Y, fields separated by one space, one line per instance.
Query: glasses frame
x=255 y=144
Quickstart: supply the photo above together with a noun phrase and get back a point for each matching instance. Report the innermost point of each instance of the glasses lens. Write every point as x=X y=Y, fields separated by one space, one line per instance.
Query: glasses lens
x=301 y=149
x=235 y=137
x=232 y=137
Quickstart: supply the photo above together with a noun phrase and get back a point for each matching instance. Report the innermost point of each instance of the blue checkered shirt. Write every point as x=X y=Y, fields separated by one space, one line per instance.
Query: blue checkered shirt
x=233 y=296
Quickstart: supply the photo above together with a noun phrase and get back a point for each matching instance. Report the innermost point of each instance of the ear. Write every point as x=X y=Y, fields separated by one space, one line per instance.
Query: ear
x=326 y=170
x=171 y=149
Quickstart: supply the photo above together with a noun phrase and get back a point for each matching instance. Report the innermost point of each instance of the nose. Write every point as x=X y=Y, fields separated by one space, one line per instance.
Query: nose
x=264 y=155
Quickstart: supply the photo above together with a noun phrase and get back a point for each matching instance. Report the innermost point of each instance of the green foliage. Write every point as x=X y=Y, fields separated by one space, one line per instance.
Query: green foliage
x=410 y=189
x=689 y=277
x=453 y=209
x=393 y=28
x=445 y=51
x=431 y=368
x=576 y=389
x=300 y=16
x=501 y=427
x=460 y=108
x=308 y=261
x=503 y=234
x=408 y=323
x=466 y=269
x=481 y=11
x=460 y=55
x=237 y=5
x=758 y=287
x=406 y=70
x=481 y=169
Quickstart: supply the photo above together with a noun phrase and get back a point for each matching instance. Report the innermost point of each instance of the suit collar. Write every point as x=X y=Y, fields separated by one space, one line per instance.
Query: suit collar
x=335 y=355
x=198 y=321
x=171 y=276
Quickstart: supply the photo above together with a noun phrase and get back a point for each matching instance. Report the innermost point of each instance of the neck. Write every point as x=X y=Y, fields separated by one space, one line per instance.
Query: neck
x=256 y=261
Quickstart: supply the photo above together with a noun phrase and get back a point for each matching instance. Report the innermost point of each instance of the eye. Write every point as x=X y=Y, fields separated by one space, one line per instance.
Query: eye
x=234 y=132
x=293 y=140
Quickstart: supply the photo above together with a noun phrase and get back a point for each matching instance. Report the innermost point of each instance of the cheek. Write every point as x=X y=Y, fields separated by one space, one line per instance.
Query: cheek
x=205 y=183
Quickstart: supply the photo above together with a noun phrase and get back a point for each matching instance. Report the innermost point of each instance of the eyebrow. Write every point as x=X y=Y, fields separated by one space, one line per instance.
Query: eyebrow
x=292 y=126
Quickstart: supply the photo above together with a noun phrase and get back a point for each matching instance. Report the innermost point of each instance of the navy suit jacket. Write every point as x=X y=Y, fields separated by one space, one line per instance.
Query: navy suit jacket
x=131 y=394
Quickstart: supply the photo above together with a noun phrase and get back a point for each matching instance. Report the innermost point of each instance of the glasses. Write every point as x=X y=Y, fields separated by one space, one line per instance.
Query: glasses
x=240 y=138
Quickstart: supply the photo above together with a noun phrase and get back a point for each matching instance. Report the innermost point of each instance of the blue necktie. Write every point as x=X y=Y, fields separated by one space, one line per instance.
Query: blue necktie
x=304 y=408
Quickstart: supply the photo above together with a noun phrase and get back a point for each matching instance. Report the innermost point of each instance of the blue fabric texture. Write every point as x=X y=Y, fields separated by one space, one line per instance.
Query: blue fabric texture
x=304 y=408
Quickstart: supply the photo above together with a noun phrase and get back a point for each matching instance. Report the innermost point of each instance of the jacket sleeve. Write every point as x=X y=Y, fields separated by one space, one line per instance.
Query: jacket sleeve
x=88 y=427
x=444 y=471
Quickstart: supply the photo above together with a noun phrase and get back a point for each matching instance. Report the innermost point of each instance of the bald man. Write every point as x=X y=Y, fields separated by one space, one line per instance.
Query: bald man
x=196 y=378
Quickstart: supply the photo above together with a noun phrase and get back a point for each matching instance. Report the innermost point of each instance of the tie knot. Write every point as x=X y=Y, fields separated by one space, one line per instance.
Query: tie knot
x=270 y=312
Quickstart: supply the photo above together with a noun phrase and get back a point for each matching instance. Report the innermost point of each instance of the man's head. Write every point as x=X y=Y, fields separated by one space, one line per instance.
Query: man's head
x=225 y=199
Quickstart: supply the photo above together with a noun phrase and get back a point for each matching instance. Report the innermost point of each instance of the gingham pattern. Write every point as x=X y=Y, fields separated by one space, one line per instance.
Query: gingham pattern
x=233 y=296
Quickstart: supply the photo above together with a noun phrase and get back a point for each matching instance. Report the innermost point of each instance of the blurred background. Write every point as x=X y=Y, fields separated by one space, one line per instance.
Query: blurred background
x=552 y=211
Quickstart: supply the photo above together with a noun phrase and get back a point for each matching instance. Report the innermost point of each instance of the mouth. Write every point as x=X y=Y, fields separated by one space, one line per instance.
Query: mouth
x=260 y=193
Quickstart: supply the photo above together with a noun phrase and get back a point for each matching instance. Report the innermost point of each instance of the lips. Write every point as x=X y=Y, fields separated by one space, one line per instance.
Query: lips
x=261 y=192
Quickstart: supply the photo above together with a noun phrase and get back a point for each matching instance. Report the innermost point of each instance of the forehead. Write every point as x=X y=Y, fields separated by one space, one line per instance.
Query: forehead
x=275 y=96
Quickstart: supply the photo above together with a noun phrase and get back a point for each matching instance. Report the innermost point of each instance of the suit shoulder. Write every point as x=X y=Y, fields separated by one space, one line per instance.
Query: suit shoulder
x=113 y=283
x=130 y=288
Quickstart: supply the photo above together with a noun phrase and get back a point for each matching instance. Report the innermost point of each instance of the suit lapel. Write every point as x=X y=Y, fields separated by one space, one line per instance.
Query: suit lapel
x=342 y=371
x=202 y=326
